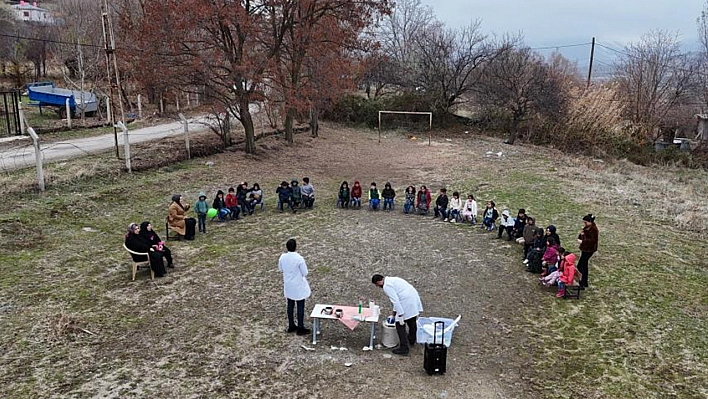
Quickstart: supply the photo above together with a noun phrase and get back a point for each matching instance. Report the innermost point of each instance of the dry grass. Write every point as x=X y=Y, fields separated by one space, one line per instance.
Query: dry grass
x=213 y=328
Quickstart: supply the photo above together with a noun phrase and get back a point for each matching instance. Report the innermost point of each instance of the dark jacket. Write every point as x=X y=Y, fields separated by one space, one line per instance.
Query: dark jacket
x=442 y=201
x=242 y=194
x=495 y=213
x=520 y=224
x=590 y=237
x=151 y=236
x=296 y=192
x=219 y=203
x=388 y=192
x=138 y=243
x=529 y=231
x=344 y=194
x=284 y=193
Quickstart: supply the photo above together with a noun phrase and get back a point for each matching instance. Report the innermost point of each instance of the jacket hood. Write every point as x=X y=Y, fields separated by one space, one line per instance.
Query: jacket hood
x=552 y=229
x=219 y=192
x=570 y=259
x=356 y=182
x=201 y=194
x=505 y=213
x=143 y=226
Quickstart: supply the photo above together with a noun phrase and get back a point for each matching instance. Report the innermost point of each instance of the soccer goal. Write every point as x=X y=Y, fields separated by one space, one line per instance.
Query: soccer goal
x=430 y=121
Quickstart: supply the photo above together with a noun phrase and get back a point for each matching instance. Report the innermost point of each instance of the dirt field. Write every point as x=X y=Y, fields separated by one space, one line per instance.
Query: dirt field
x=72 y=324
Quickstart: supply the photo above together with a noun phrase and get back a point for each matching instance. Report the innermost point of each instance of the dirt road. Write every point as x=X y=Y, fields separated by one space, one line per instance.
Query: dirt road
x=23 y=156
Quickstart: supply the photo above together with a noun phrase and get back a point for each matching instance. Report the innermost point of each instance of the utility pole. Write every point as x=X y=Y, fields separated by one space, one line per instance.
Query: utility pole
x=592 y=57
x=112 y=72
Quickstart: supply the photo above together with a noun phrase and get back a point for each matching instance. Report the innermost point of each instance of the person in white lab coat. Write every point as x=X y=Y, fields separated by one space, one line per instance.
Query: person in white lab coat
x=295 y=286
x=406 y=307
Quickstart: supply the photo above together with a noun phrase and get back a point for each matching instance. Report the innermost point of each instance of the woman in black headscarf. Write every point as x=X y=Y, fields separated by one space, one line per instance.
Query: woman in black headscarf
x=155 y=241
x=138 y=243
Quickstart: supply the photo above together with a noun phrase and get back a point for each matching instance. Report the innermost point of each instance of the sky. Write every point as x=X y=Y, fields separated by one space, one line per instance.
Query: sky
x=561 y=22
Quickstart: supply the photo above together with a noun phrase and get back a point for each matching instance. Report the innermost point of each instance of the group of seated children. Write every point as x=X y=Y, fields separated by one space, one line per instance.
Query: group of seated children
x=239 y=202
x=295 y=196
x=543 y=252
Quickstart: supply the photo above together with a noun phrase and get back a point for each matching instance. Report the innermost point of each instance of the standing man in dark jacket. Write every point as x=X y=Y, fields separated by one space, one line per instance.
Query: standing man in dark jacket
x=441 y=204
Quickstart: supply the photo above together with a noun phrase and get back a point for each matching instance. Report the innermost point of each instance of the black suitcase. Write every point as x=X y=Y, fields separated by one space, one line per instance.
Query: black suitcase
x=435 y=355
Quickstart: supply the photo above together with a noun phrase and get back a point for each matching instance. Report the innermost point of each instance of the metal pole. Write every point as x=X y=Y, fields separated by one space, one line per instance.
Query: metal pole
x=592 y=57
x=186 y=135
x=108 y=110
x=379 y=127
x=126 y=143
x=140 y=107
x=68 y=114
x=38 y=158
x=430 y=129
x=21 y=113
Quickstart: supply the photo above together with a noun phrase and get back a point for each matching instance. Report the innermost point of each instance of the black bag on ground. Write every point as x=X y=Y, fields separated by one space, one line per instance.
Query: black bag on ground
x=189 y=227
x=435 y=355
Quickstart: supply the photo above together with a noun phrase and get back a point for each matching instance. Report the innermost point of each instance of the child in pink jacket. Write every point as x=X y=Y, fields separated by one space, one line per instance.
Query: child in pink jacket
x=552 y=278
x=550 y=256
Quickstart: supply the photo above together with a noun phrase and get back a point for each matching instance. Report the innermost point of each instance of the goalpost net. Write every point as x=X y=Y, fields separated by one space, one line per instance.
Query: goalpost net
x=430 y=120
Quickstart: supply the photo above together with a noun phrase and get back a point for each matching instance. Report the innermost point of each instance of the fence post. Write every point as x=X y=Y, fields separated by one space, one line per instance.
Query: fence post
x=68 y=114
x=177 y=101
x=38 y=158
x=21 y=113
x=109 y=115
x=126 y=143
x=140 y=107
x=186 y=135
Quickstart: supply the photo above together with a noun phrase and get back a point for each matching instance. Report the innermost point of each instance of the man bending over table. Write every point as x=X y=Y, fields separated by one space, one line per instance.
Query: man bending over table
x=406 y=307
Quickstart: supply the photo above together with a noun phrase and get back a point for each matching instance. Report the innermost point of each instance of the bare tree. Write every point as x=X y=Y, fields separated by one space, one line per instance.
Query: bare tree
x=654 y=77
x=702 y=58
x=518 y=84
x=7 y=28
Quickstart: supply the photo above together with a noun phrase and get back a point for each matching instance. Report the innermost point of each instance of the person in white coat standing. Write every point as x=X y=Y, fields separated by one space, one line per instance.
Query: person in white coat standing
x=295 y=286
x=406 y=307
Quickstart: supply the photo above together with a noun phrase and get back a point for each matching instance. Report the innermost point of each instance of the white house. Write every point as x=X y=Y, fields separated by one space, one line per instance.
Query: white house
x=31 y=13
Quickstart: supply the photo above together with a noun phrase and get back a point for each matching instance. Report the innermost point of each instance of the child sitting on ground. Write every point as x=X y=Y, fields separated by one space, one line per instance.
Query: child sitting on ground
x=423 y=200
x=296 y=194
x=343 y=197
x=356 y=194
x=455 y=211
x=410 y=199
x=490 y=216
x=550 y=255
x=256 y=196
x=284 y=197
x=220 y=205
x=519 y=225
x=506 y=225
x=469 y=213
x=232 y=203
x=441 y=204
x=374 y=197
x=388 y=195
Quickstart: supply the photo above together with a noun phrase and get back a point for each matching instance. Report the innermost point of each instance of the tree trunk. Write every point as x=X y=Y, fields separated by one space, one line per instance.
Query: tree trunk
x=289 y=119
x=226 y=130
x=314 y=121
x=247 y=122
x=513 y=132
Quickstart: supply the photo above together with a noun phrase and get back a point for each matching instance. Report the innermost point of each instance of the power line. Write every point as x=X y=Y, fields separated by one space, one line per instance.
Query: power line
x=18 y=37
x=562 y=46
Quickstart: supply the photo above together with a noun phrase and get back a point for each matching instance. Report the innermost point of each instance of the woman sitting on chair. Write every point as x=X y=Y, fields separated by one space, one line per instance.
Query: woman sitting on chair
x=155 y=241
x=138 y=243
x=177 y=220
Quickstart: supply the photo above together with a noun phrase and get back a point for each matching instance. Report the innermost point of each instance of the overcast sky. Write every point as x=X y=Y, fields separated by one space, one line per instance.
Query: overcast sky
x=562 y=22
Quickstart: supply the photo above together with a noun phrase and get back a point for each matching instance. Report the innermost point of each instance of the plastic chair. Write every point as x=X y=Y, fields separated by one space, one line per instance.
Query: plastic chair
x=137 y=265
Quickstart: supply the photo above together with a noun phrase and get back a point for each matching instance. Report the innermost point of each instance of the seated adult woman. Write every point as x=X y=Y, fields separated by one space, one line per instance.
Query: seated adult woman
x=155 y=241
x=138 y=243
x=177 y=220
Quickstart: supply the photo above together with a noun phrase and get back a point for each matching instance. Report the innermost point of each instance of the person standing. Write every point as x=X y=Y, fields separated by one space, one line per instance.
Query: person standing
x=406 y=307
x=295 y=286
x=588 y=239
